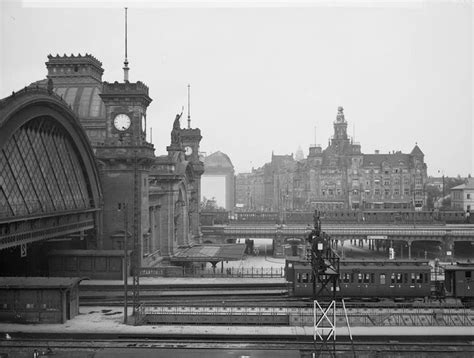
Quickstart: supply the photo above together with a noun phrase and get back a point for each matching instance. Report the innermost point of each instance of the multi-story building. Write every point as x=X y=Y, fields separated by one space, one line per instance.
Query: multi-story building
x=162 y=193
x=340 y=177
x=462 y=196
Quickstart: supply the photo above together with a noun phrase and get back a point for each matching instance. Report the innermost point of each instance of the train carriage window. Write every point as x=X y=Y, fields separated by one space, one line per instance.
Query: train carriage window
x=405 y=278
x=413 y=278
x=382 y=279
x=346 y=277
x=367 y=278
x=298 y=277
x=305 y=278
x=420 y=278
x=392 y=278
x=426 y=278
x=352 y=278
x=468 y=274
x=359 y=278
x=372 y=278
x=399 y=278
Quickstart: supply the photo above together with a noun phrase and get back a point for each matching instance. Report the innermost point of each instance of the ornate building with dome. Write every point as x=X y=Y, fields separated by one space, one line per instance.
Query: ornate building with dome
x=152 y=198
x=338 y=177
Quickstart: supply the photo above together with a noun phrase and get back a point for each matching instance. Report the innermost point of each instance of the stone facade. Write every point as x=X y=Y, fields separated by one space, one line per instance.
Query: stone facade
x=154 y=199
x=338 y=177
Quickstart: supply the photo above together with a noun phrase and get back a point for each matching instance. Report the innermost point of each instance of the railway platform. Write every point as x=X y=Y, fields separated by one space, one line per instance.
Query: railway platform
x=109 y=321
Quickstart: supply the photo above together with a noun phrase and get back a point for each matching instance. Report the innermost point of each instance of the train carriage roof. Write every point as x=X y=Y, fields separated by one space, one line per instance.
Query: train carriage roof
x=370 y=268
x=460 y=266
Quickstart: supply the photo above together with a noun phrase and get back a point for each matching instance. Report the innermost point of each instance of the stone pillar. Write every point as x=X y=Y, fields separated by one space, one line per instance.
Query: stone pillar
x=166 y=224
x=409 y=250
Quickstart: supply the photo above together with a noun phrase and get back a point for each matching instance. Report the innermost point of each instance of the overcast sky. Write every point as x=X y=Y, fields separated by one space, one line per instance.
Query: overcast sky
x=262 y=78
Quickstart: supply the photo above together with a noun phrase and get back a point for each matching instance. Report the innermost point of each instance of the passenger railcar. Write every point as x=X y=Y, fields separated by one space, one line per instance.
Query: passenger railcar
x=459 y=280
x=367 y=279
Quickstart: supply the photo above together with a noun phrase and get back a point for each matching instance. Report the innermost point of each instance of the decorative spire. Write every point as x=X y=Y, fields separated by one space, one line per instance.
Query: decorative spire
x=125 y=63
x=189 y=107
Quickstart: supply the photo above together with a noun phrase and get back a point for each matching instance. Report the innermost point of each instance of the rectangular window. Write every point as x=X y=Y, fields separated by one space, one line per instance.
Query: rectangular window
x=468 y=196
x=468 y=274
x=406 y=191
x=399 y=278
x=392 y=278
x=367 y=278
x=359 y=278
x=352 y=278
x=387 y=192
x=405 y=278
x=396 y=191
x=420 y=278
x=382 y=279
x=413 y=279
x=372 y=278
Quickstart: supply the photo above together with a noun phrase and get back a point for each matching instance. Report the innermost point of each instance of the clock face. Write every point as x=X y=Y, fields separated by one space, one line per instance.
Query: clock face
x=188 y=150
x=122 y=122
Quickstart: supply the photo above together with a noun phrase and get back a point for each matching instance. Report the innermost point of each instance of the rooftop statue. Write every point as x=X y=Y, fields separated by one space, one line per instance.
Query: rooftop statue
x=340 y=114
x=175 y=133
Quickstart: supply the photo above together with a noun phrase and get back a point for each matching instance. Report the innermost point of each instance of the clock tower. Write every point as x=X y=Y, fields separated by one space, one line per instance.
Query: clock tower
x=190 y=139
x=125 y=160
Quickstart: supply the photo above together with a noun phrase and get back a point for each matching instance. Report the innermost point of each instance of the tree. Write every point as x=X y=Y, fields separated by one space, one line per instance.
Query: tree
x=210 y=205
x=448 y=184
x=433 y=193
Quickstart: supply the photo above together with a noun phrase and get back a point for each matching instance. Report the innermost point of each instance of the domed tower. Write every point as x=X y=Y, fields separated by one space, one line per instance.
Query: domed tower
x=340 y=129
x=78 y=80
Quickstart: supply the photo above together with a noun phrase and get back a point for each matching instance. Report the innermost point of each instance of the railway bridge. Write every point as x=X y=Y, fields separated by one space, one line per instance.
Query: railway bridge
x=49 y=182
x=447 y=235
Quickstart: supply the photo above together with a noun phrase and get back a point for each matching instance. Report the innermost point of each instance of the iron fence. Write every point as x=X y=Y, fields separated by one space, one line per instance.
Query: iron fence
x=231 y=272
x=358 y=317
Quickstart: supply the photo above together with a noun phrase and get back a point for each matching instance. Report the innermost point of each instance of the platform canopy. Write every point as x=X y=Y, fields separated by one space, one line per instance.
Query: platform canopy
x=210 y=253
x=38 y=282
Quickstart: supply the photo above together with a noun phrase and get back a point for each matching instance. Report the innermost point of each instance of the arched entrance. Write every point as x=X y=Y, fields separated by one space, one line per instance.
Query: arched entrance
x=49 y=183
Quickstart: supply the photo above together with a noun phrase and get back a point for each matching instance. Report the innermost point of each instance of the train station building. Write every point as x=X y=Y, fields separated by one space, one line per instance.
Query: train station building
x=79 y=173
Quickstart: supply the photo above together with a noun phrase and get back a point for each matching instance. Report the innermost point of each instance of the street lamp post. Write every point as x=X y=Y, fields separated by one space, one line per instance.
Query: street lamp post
x=125 y=264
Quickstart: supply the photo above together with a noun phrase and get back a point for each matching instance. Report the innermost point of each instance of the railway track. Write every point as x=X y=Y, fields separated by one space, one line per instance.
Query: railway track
x=362 y=346
x=265 y=297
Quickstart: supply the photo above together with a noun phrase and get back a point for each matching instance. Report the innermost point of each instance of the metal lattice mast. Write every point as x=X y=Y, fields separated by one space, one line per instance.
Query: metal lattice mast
x=325 y=268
